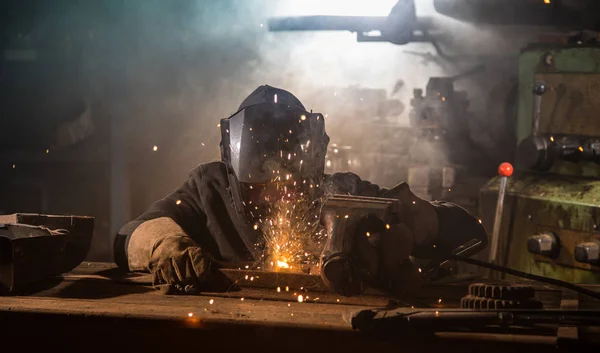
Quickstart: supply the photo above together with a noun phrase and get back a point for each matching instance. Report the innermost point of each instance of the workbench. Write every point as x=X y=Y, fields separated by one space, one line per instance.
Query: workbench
x=97 y=308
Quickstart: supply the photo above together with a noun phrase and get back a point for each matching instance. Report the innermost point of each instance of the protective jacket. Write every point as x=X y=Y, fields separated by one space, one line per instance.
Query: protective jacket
x=202 y=209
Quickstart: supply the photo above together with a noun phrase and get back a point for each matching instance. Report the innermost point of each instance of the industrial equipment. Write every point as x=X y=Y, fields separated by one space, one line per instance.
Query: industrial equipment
x=550 y=221
x=444 y=161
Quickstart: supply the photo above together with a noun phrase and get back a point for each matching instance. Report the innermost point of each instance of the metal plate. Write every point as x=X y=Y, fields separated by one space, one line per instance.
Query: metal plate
x=29 y=254
x=571 y=105
x=79 y=239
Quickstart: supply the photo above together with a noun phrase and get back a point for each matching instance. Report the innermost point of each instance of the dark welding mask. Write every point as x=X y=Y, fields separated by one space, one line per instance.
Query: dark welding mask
x=273 y=147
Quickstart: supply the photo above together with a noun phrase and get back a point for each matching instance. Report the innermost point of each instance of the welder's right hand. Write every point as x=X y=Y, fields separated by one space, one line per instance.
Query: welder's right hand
x=384 y=257
x=379 y=258
x=179 y=266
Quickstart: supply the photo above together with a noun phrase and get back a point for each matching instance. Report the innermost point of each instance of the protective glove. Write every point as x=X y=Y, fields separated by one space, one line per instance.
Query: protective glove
x=179 y=266
x=384 y=257
x=379 y=258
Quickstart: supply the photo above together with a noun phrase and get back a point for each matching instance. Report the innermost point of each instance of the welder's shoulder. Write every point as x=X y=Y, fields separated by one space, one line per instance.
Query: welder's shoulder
x=209 y=173
x=209 y=169
x=350 y=184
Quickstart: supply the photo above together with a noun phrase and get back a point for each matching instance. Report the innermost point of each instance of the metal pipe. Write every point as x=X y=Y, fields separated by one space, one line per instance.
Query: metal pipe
x=340 y=23
x=497 y=220
x=327 y=23
x=505 y=170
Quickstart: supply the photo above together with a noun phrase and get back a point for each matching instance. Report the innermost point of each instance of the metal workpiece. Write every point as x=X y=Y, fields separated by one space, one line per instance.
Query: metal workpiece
x=35 y=247
x=545 y=244
x=588 y=252
x=80 y=231
x=29 y=254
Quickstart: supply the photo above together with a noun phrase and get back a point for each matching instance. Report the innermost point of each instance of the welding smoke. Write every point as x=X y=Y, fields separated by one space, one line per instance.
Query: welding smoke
x=166 y=72
x=187 y=65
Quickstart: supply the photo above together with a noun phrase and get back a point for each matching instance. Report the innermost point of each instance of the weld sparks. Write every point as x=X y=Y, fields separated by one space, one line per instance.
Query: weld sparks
x=292 y=242
x=285 y=233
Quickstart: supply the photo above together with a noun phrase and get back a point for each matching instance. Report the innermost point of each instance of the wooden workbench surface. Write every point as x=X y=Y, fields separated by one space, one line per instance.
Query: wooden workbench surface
x=146 y=302
x=96 y=301
x=98 y=289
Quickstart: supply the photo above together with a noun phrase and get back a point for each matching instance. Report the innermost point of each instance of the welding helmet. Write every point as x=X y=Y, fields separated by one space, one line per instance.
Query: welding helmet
x=273 y=139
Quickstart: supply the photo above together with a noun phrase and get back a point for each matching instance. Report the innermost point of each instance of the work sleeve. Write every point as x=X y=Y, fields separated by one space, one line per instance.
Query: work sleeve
x=438 y=227
x=179 y=213
x=146 y=237
x=417 y=214
x=457 y=227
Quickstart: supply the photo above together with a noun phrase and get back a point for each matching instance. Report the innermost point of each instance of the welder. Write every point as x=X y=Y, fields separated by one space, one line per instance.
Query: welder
x=272 y=143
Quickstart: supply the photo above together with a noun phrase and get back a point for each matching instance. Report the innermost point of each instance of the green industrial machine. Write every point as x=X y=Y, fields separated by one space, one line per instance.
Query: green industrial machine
x=551 y=214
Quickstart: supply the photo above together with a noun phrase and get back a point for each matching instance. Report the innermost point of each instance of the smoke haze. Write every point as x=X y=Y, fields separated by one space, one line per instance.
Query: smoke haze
x=165 y=72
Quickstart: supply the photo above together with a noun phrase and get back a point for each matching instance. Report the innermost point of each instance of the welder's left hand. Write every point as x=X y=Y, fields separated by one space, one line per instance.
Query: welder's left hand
x=179 y=266
x=384 y=258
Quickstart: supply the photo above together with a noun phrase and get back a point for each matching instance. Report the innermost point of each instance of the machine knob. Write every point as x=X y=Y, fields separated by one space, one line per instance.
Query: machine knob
x=539 y=89
x=545 y=244
x=588 y=252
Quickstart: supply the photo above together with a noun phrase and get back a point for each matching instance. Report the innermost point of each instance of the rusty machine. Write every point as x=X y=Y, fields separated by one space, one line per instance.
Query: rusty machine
x=550 y=219
x=547 y=222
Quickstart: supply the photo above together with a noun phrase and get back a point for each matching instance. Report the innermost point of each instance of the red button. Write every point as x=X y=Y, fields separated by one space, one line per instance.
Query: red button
x=505 y=169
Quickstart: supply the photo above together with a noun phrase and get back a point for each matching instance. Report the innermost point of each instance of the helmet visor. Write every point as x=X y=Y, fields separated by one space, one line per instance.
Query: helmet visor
x=274 y=143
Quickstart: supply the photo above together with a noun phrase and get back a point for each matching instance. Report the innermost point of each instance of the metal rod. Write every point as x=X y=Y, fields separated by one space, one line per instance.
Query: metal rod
x=327 y=23
x=538 y=91
x=536 y=115
x=497 y=220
